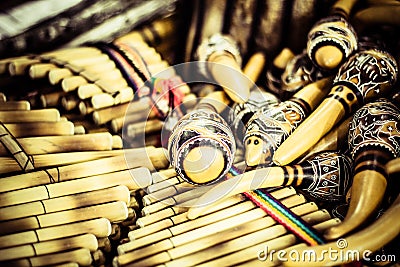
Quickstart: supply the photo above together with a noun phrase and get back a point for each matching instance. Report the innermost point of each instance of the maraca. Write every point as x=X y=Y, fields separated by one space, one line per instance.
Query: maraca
x=367 y=75
x=326 y=177
x=270 y=126
x=374 y=139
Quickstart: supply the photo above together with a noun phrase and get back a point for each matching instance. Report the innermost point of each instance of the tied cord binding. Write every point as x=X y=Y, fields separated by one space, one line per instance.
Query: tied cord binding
x=282 y=214
x=135 y=71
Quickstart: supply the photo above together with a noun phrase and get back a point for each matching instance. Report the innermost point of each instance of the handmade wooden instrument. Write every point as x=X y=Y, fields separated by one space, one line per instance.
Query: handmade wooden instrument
x=374 y=136
x=202 y=139
x=332 y=39
x=366 y=75
x=325 y=177
x=270 y=126
x=222 y=59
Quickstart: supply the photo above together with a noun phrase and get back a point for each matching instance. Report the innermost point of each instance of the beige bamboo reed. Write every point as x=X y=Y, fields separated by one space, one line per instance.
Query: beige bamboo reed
x=105 y=115
x=52 y=99
x=254 y=66
x=103 y=100
x=40 y=70
x=67 y=52
x=137 y=157
x=69 y=84
x=87 y=241
x=80 y=256
x=91 y=76
x=180 y=221
x=4 y=63
x=167 y=192
x=163 y=175
x=39 y=115
x=163 y=184
x=21 y=66
x=30 y=129
x=393 y=166
x=99 y=227
x=15 y=105
x=139 y=129
x=116 y=211
x=245 y=233
x=7 y=164
x=116 y=193
x=66 y=264
x=85 y=107
x=133 y=179
x=59 y=144
x=178 y=199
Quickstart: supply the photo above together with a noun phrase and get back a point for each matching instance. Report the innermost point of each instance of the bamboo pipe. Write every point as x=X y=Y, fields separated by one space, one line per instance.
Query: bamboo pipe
x=30 y=129
x=21 y=66
x=254 y=66
x=269 y=127
x=163 y=175
x=98 y=227
x=7 y=164
x=52 y=99
x=15 y=105
x=4 y=63
x=116 y=211
x=195 y=229
x=163 y=194
x=162 y=222
x=371 y=238
x=3 y=97
x=373 y=143
x=80 y=256
x=87 y=241
x=208 y=242
x=133 y=179
x=140 y=129
x=57 y=144
x=39 y=115
x=307 y=212
x=327 y=47
x=163 y=184
x=347 y=94
x=222 y=60
x=325 y=177
x=40 y=70
x=104 y=100
x=96 y=197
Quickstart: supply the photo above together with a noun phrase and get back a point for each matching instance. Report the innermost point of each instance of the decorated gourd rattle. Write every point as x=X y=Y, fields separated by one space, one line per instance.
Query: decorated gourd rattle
x=325 y=177
x=367 y=75
x=374 y=139
x=270 y=126
x=201 y=146
x=332 y=39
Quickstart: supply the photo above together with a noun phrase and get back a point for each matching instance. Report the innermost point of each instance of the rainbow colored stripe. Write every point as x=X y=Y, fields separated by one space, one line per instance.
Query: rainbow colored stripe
x=282 y=214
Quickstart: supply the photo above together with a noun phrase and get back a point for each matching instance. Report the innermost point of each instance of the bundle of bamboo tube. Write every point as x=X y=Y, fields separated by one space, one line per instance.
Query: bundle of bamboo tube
x=165 y=236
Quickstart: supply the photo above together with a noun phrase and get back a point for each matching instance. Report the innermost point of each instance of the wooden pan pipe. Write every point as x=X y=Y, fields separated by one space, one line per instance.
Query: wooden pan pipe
x=164 y=236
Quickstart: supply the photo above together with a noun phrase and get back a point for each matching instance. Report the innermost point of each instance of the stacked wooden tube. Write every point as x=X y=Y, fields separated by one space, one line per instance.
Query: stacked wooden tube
x=65 y=197
x=230 y=233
